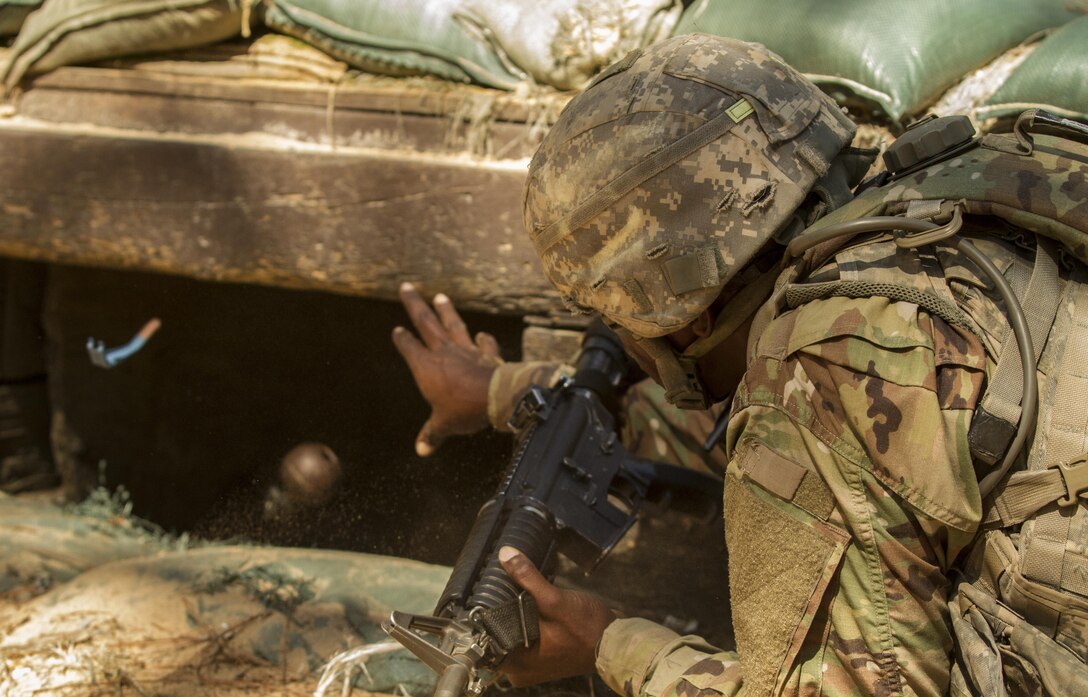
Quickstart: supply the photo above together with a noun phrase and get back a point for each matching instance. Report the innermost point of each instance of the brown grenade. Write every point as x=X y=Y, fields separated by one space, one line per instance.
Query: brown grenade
x=310 y=474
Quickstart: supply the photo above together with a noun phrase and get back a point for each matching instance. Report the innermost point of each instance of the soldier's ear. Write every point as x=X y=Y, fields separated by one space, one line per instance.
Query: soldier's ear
x=703 y=324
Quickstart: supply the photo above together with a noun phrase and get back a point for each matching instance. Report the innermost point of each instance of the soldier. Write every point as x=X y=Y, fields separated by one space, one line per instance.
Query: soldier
x=663 y=199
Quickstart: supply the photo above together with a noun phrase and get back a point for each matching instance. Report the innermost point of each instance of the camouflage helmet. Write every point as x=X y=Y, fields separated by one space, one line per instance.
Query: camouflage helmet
x=664 y=178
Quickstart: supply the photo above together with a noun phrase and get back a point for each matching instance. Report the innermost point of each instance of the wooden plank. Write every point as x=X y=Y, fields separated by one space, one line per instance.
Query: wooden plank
x=380 y=112
x=307 y=123
x=251 y=209
x=369 y=92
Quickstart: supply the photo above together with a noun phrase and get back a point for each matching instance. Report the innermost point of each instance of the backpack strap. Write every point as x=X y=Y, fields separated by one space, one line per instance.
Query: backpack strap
x=1023 y=494
x=994 y=424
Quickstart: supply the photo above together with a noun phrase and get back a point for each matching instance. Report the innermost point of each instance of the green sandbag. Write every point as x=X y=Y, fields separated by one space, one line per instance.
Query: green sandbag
x=43 y=545
x=1052 y=77
x=13 y=13
x=180 y=622
x=898 y=56
x=564 y=43
x=407 y=37
x=67 y=32
x=561 y=43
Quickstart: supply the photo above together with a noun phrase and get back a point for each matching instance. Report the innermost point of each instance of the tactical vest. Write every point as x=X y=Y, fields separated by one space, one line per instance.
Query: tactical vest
x=1020 y=609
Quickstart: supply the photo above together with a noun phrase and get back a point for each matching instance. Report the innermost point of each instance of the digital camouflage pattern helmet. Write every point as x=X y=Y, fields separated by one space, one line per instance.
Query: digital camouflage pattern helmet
x=664 y=178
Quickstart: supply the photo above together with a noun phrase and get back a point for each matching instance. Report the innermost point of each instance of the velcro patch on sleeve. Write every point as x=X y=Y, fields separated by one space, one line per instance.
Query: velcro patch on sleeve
x=787 y=480
x=780 y=567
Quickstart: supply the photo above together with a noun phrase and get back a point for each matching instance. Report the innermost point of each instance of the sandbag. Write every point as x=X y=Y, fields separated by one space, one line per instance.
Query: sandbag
x=203 y=621
x=564 y=43
x=13 y=13
x=67 y=32
x=412 y=37
x=43 y=545
x=561 y=43
x=892 y=55
x=1052 y=77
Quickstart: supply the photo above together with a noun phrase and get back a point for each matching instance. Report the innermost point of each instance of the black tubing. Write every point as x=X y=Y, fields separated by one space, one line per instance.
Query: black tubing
x=1029 y=401
x=876 y=223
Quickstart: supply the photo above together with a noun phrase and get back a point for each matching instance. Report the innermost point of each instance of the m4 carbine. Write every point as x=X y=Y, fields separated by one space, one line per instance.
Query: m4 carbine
x=570 y=488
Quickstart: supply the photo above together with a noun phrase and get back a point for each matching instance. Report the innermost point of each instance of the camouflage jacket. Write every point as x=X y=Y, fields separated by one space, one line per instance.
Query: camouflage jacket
x=850 y=491
x=651 y=427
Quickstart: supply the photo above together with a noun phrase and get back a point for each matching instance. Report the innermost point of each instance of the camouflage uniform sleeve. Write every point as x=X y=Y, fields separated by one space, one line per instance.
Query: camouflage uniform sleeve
x=510 y=380
x=652 y=428
x=638 y=657
x=849 y=494
x=656 y=430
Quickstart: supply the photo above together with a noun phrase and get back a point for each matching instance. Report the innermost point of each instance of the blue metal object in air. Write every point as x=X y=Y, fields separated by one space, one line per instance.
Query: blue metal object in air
x=108 y=358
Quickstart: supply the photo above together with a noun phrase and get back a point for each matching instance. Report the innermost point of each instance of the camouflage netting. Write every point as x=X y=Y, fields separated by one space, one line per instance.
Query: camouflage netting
x=893 y=55
x=216 y=620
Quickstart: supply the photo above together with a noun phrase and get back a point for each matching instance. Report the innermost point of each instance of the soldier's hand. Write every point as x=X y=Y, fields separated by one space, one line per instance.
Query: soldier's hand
x=571 y=625
x=451 y=369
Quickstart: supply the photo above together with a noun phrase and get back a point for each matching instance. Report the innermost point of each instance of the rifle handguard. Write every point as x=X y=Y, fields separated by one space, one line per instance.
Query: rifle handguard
x=514 y=624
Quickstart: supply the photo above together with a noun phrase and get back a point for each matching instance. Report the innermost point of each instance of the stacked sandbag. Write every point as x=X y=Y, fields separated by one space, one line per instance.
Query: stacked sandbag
x=886 y=55
x=186 y=622
x=67 y=32
x=13 y=13
x=561 y=43
x=564 y=43
x=1053 y=77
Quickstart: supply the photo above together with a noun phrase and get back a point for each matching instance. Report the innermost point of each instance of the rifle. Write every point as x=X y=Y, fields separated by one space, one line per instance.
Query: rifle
x=570 y=488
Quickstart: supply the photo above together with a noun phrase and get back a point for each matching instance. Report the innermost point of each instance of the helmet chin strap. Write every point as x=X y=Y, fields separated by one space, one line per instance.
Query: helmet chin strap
x=678 y=370
x=678 y=374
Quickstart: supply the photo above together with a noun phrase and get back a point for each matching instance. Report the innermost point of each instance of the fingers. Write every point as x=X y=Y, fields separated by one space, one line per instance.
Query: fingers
x=526 y=575
x=430 y=437
x=451 y=320
x=408 y=346
x=424 y=319
x=488 y=345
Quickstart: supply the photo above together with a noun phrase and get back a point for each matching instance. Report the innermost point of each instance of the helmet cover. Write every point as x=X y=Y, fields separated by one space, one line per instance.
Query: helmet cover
x=664 y=178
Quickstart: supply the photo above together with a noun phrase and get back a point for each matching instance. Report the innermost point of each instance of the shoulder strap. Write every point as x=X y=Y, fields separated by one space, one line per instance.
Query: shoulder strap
x=994 y=424
x=1024 y=494
x=1037 y=186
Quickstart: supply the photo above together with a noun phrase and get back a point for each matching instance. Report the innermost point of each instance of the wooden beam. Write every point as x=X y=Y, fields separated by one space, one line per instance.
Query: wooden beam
x=256 y=209
x=378 y=112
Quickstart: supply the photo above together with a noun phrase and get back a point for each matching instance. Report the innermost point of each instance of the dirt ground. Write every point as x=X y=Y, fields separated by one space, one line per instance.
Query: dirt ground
x=155 y=614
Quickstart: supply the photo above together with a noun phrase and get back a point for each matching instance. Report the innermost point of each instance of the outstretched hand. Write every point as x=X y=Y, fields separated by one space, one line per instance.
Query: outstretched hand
x=571 y=625
x=451 y=370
